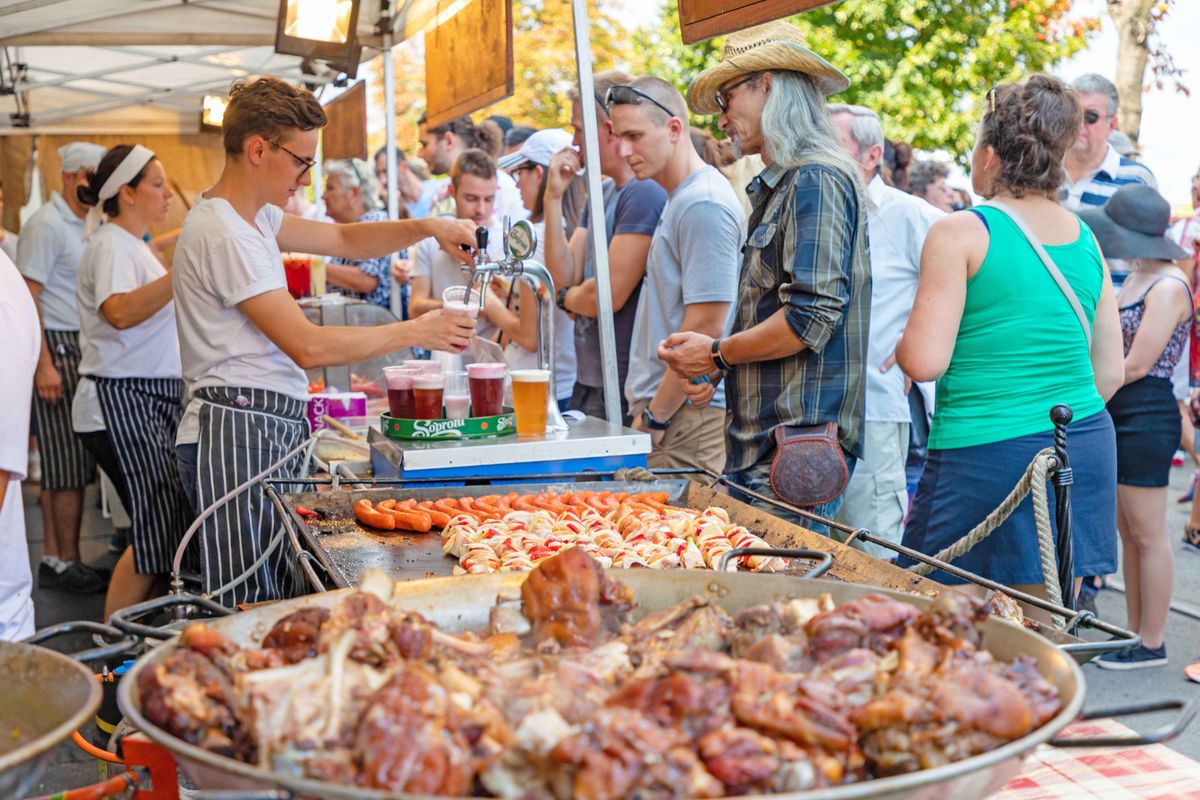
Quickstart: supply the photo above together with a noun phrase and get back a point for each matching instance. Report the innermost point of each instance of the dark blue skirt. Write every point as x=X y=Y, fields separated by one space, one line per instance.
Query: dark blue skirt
x=1146 y=418
x=961 y=486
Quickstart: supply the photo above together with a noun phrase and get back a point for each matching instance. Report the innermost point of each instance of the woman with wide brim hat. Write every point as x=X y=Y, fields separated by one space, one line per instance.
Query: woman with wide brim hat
x=1156 y=314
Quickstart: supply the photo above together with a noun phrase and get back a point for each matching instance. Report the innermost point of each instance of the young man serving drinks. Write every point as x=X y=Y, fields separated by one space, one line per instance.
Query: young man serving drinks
x=245 y=343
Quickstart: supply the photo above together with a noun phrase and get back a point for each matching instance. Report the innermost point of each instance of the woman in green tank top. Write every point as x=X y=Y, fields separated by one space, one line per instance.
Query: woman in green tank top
x=1005 y=345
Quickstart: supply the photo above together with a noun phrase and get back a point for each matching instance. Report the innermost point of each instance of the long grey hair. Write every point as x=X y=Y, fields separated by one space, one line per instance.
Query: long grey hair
x=796 y=126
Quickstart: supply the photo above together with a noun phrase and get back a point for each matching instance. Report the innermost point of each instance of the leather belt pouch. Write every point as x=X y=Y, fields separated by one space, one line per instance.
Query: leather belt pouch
x=808 y=468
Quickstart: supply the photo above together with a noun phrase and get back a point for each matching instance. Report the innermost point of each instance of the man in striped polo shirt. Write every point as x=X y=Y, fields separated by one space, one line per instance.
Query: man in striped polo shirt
x=1095 y=168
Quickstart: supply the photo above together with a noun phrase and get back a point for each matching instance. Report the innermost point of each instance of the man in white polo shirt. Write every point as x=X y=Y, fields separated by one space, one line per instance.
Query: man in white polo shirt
x=876 y=497
x=48 y=255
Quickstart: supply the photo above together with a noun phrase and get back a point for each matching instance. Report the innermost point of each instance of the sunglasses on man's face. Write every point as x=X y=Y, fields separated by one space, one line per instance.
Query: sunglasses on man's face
x=629 y=96
x=1091 y=117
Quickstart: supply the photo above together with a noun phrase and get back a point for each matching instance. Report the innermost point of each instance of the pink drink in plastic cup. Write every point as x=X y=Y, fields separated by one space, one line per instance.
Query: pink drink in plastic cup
x=427 y=396
x=461 y=300
x=487 y=388
x=400 y=391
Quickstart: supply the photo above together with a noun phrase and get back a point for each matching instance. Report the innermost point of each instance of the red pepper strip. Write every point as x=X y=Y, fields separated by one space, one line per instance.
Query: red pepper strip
x=305 y=512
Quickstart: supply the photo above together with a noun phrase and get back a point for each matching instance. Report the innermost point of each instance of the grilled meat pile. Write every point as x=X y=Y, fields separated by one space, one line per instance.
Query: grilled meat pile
x=564 y=696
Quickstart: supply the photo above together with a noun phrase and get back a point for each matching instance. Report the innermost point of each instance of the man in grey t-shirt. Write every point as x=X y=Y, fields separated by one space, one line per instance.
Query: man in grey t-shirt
x=691 y=271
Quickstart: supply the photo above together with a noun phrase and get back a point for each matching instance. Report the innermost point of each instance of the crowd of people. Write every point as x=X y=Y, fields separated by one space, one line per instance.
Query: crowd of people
x=776 y=296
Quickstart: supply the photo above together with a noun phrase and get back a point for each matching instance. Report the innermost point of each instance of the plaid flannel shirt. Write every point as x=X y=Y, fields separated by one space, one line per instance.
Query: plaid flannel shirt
x=806 y=252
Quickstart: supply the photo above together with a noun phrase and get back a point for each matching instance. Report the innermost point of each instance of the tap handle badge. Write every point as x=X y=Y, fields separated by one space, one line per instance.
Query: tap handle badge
x=481 y=239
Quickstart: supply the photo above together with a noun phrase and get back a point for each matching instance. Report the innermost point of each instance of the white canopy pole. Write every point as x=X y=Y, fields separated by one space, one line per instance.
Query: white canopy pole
x=389 y=144
x=591 y=151
x=389 y=122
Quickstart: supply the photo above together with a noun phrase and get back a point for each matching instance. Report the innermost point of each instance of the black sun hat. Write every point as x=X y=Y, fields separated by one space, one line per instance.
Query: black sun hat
x=1133 y=224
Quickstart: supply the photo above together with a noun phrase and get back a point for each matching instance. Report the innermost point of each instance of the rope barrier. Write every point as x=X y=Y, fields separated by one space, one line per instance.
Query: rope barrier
x=1032 y=482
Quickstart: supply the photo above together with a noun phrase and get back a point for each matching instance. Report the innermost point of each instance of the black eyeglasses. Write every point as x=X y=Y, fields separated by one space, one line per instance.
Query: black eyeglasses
x=723 y=95
x=307 y=163
x=1091 y=117
x=629 y=96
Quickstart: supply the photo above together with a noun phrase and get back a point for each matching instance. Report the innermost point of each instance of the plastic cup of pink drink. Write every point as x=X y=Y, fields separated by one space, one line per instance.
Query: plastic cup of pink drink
x=400 y=391
x=456 y=397
x=486 y=380
x=461 y=300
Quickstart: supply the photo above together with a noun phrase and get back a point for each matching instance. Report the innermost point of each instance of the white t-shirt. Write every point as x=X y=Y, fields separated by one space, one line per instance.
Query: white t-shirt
x=115 y=261
x=22 y=343
x=897 y=225
x=518 y=357
x=221 y=260
x=48 y=252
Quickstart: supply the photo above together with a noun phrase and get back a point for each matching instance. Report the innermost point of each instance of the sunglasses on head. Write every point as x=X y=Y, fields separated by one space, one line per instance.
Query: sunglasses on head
x=629 y=96
x=1091 y=117
x=723 y=95
x=600 y=102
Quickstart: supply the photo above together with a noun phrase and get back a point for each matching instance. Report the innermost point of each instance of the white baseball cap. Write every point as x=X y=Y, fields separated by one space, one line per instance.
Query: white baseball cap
x=80 y=155
x=538 y=149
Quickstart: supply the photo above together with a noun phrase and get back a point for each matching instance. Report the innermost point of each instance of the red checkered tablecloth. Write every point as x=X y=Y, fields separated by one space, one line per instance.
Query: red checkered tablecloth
x=1154 y=772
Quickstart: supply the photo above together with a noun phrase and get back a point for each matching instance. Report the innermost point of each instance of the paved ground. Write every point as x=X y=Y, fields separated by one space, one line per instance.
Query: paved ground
x=72 y=768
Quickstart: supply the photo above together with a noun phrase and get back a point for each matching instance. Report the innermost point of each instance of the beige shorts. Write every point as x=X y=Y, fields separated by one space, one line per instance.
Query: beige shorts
x=695 y=438
x=877 y=496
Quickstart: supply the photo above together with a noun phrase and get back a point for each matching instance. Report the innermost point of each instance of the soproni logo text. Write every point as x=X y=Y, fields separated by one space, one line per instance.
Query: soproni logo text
x=504 y=422
x=437 y=427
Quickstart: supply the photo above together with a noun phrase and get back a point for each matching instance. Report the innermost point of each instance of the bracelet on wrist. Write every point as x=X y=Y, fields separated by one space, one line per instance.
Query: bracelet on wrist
x=719 y=362
x=560 y=297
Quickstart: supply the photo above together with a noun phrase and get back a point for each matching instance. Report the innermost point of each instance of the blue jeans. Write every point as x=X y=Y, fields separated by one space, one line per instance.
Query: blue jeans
x=758 y=479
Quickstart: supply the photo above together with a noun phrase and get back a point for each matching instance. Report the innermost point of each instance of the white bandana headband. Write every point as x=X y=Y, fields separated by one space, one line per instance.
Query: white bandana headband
x=133 y=163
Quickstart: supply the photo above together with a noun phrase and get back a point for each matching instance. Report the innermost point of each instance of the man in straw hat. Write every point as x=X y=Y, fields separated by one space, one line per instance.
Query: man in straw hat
x=48 y=256
x=797 y=354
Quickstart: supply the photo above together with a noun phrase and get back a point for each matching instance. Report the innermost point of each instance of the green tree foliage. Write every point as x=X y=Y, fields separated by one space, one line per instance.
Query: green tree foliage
x=924 y=65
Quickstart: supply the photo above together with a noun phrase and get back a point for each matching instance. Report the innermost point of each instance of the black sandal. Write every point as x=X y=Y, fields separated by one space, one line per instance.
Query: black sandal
x=1191 y=537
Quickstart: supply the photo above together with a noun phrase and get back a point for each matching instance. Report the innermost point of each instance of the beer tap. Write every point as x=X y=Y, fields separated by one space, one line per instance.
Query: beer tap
x=519 y=243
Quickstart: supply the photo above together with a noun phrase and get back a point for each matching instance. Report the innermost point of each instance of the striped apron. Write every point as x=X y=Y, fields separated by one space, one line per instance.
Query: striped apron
x=66 y=463
x=142 y=416
x=242 y=432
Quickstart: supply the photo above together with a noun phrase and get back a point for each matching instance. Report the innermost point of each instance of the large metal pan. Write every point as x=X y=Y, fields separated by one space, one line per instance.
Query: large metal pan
x=462 y=603
x=44 y=696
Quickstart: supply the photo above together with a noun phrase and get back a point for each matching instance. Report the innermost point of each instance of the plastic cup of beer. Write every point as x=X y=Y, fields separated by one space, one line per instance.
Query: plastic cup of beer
x=427 y=395
x=461 y=300
x=400 y=391
x=531 y=388
x=486 y=380
x=456 y=397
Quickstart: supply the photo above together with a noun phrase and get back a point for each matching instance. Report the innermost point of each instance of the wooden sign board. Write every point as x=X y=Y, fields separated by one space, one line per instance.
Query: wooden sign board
x=704 y=19
x=469 y=60
x=345 y=134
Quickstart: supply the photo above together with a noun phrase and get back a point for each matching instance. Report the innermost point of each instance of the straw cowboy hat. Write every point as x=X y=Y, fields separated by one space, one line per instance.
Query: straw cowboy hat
x=774 y=46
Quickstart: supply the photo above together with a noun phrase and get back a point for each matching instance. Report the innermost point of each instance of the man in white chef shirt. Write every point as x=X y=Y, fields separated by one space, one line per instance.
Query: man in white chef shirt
x=48 y=255
x=877 y=496
x=21 y=334
x=245 y=343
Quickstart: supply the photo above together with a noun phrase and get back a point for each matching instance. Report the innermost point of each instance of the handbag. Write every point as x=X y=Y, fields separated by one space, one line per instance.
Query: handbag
x=808 y=467
x=1048 y=263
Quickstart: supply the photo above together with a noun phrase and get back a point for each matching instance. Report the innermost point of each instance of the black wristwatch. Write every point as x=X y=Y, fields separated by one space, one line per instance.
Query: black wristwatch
x=560 y=297
x=651 y=423
x=719 y=362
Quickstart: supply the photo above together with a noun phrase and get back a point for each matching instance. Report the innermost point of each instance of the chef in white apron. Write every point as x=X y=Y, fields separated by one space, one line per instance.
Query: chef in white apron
x=244 y=341
x=131 y=381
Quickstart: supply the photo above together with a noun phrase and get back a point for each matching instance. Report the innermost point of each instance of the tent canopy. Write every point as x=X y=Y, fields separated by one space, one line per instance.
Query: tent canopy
x=144 y=65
